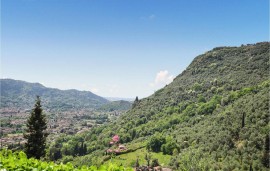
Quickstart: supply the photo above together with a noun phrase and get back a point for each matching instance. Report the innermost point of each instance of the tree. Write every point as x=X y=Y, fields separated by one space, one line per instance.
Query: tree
x=84 y=149
x=169 y=147
x=147 y=157
x=36 y=132
x=266 y=153
x=55 y=153
x=137 y=164
x=155 y=163
x=135 y=102
x=76 y=150
x=155 y=143
x=243 y=119
x=201 y=99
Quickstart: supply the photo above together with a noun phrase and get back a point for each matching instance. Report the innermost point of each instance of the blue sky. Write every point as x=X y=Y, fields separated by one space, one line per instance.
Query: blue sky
x=120 y=48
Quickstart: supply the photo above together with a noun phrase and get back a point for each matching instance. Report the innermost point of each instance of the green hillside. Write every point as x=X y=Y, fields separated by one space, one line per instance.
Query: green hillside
x=21 y=94
x=213 y=116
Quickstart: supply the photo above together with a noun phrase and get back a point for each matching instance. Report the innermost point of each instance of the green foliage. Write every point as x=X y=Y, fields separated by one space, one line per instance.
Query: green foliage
x=202 y=111
x=129 y=159
x=209 y=107
x=197 y=87
x=201 y=99
x=191 y=160
x=36 y=132
x=155 y=143
x=169 y=146
x=19 y=161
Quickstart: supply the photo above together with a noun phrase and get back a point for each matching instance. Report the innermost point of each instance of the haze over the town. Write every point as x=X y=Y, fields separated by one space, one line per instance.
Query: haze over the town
x=119 y=48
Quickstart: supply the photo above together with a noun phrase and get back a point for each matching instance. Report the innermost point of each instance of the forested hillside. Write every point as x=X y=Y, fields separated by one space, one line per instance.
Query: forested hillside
x=214 y=115
x=21 y=94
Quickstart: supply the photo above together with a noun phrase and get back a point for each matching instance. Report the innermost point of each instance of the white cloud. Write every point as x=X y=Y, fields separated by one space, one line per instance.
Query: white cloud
x=162 y=78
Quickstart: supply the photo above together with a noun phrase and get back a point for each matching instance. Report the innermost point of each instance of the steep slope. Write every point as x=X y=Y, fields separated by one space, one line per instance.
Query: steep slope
x=222 y=69
x=214 y=115
x=21 y=94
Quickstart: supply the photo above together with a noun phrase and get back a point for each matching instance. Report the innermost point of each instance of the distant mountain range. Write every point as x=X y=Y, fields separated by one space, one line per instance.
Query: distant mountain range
x=21 y=94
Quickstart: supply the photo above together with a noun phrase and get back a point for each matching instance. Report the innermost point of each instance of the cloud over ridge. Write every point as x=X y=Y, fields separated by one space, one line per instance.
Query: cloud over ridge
x=162 y=78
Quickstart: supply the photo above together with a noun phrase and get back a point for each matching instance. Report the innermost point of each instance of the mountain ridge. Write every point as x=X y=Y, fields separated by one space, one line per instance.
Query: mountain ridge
x=217 y=109
x=51 y=97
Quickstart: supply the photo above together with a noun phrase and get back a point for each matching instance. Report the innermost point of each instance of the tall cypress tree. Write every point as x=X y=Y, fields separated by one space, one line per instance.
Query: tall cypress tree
x=243 y=119
x=84 y=149
x=36 y=132
x=266 y=154
x=135 y=102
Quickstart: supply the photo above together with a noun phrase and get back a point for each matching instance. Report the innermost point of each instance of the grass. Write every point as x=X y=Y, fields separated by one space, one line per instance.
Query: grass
x=129 y=159
x=14 y=135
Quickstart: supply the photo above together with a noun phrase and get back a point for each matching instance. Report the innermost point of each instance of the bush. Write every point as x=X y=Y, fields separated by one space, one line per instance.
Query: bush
x=155 y=143
x=19 y=161
x=169 y=147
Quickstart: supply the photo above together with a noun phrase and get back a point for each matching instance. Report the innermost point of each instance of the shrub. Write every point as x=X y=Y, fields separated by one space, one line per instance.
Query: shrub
x=155 y=143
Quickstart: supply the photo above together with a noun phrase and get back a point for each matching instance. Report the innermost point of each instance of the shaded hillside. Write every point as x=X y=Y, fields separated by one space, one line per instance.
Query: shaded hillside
x=21 y=94
x=214 y=115
x=120 y=105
